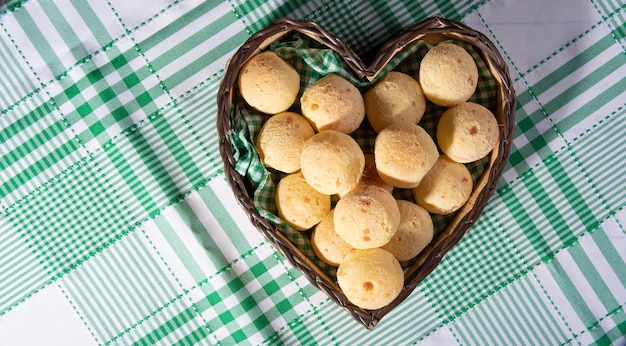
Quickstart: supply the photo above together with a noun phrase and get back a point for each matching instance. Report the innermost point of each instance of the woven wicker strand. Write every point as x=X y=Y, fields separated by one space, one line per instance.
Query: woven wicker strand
x=433 y=29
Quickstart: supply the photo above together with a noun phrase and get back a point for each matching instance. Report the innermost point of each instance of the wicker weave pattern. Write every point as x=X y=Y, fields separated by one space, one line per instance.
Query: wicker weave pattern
x=433 y=29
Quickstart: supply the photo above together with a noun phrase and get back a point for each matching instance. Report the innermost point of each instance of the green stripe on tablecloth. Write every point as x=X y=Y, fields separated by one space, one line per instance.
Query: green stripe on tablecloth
x=422 y=313
x=602 y=154
x=43 y=47
x=572 y=183
x=609 y=93
x=179 y=248
x=134 y=182
x=609 y=6
x=97 y=28
x=594 y=279
x=198 y=64
x=321 y=330
x=29 y=24
x=568 y=287
x=614 y=16
x=20 y=271
x=518 y=312
x=28 y=143
x=162 y=141
x=339 y=18
x=565 y=198
x=617 y=23
x=552 y=207
x=205 y=221
x=166 y=328
x=580 y=275
x=153 y=167
x=611 y=254
x=194 y=337
x=181 y=21
x=120 y=286
x=302 y=334
x=194 y=123
x=197 y=38
x=517 y=329
x=388 y=16
x=549 y=210
x=574 y=64
x=524 y=221
x=15 y=82
x=200 y=40
x=170 y=324
x=237 y=238
x=36 y=147
x=67 y=33
x=588 y=80
x=544 y=319
x=191 y=123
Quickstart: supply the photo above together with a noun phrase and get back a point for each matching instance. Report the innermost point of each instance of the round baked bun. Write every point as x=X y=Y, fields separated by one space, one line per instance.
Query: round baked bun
x=367 y=217
x=327 y=244
x=396 y=98
x=448 y=75
x=300 y=205
x=281 y=139
x=333 y=103
x=415 y=231
x=404 y=153
x=370 y=278
x=332 y=162
x=268 y=83
x=445 y=188
x=467 y=132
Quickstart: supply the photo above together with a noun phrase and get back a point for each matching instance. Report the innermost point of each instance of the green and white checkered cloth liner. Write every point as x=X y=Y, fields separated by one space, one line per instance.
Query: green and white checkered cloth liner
x=117 y=226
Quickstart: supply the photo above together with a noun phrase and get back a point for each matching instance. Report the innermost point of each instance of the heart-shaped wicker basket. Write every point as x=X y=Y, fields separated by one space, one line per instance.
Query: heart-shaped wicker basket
x=432 y=30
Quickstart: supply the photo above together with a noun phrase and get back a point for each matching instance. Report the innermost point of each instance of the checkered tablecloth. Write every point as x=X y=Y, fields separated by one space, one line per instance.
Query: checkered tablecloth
x=117 y=226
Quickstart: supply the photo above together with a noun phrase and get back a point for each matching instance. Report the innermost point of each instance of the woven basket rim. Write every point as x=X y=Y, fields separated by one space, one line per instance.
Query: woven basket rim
x=435 y=27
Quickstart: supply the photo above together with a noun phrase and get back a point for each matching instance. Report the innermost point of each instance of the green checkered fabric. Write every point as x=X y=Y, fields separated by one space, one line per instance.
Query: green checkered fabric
x=117 y=225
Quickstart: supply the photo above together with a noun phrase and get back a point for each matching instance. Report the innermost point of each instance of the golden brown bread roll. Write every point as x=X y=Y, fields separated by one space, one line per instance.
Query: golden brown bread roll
x=281 y=139
x=415 y=231
x=395 y=98
x=404 y=153
x=300 y=205
x=332 y=162
x=467 y=132
x=333 y=103
x=448 y=75
x=445 y=188
x=268 y=83
x=367 y=217
x=370 y=278
x=327 y=244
